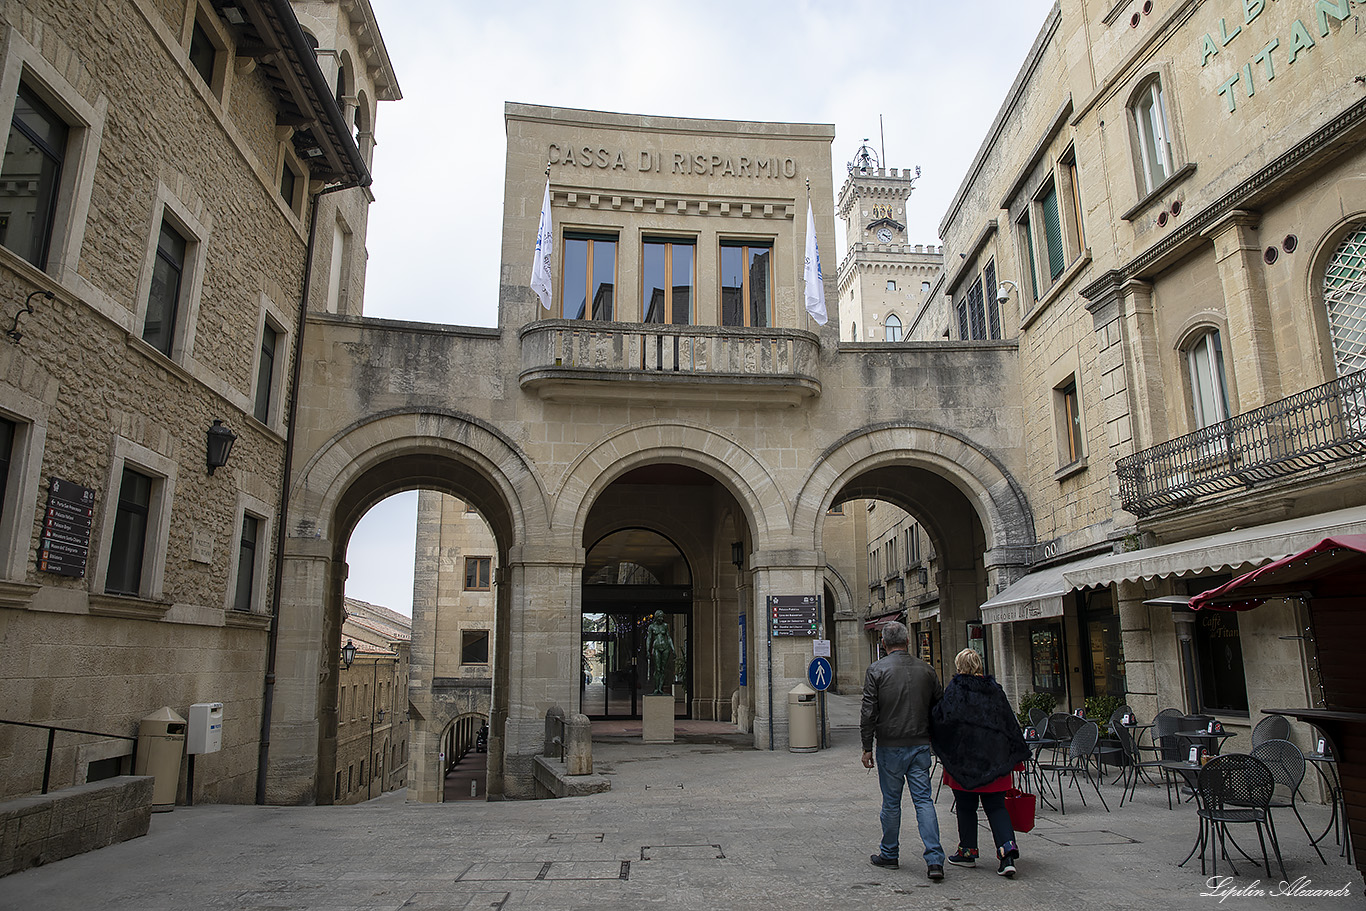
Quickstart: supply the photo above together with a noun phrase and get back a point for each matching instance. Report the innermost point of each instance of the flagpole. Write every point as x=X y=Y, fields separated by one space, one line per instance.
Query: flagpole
x=545 y=245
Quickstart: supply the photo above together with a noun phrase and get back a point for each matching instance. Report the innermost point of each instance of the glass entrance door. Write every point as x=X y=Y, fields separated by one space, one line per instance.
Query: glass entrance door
x=615 y=665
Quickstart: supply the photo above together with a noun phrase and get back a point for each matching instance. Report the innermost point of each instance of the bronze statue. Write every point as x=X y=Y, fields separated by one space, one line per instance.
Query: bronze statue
x=660 y=647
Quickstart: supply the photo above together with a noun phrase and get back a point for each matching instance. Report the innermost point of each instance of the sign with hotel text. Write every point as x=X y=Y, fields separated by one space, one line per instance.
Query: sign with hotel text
x=65 y=544
x=794 y=615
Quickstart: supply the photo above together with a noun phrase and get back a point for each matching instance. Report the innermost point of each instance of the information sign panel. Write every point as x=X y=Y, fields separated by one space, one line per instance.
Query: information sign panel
x=64 y=546
x=794 y=615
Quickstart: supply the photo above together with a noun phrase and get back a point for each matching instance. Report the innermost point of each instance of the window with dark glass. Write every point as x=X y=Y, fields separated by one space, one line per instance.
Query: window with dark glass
x=265 y=373
x=130 y=534
x=746 y=280
x=202 y=53
x=477 y=573
x=590 y=276
x=246 y=563
x=1219 y=662
x=993 y=306
x=163 y=301
x=1046 y=658
x=32 y=173
x=1027 y=230
x=289 y=182
x=474 y=646
x=1077 y=234
x=1102 y=649
x=668 y=281
x=8 y=431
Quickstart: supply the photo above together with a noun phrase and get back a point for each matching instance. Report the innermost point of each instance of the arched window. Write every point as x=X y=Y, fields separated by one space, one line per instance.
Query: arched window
x=1344 y=294
x=893 y=326
x=1209 y=392
x=1152 y=134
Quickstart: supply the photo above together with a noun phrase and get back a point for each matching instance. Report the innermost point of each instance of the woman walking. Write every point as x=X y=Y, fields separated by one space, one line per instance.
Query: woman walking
x=977 y=737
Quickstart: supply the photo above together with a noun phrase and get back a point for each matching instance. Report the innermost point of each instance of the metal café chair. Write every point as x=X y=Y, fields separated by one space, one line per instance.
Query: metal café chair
x=1286 y=763
x=1079 y=750
x=1135 y=764
x=1272 y=727
x=1235 y=788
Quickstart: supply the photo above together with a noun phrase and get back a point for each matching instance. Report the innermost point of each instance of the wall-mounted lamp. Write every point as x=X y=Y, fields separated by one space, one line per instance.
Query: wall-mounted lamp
x=924 y=576
x=737 y=554
x=220 y=445
x=1003 y=293
x=900 y=586
x=348 y=653
x=13 y=331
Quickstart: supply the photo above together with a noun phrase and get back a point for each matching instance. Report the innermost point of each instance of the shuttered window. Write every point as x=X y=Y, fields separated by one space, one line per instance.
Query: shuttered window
x=1052 y=225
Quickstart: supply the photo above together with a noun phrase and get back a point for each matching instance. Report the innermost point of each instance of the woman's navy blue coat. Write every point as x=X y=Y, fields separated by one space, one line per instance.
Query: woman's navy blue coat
x=975 y=733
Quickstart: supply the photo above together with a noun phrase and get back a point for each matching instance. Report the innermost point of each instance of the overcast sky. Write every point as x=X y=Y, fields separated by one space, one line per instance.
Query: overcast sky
x=937 y=73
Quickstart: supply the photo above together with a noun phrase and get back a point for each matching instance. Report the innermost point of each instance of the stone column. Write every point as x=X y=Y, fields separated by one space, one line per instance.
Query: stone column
x=779 y=572
x=1250 y=349
x=304 y=664
x=543 y=664
x=1136 y=638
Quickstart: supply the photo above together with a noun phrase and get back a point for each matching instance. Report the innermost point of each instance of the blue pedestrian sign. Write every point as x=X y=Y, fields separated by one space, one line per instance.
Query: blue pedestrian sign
x=820 y=673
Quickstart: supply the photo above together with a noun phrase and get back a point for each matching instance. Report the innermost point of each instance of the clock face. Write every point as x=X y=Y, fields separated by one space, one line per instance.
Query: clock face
x=884 y=235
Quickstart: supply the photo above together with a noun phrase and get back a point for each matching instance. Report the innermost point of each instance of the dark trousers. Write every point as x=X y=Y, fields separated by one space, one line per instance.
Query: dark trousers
x=994 y=803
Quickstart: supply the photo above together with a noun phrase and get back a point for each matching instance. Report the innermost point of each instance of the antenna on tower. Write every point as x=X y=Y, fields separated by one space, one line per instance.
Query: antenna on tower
x=883 y=135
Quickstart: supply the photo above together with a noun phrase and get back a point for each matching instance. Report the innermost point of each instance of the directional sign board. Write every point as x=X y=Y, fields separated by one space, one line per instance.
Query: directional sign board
x=794 y=615
x=819 y=674
x=65 y=543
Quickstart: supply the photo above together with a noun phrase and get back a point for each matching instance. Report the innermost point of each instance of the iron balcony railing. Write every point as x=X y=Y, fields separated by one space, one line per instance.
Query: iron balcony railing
x=1310 y=430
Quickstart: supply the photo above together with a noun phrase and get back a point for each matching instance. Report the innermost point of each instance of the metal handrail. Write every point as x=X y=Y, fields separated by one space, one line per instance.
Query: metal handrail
x=1310 y=430
x=52 y=738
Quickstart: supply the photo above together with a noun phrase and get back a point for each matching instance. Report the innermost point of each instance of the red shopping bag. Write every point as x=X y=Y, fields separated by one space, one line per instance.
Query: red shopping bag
x=1020 y=805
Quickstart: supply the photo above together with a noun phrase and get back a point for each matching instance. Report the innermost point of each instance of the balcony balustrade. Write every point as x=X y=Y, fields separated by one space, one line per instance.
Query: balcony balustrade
x=1309 y=431
x=581 y=361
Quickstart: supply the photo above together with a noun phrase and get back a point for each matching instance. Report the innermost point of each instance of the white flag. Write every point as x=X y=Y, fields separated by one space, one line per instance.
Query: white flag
x=545 y=245
x=815 y=283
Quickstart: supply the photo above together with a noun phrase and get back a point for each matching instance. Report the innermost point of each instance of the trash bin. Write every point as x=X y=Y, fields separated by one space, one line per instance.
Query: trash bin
x=161 y=740
x=801 y=720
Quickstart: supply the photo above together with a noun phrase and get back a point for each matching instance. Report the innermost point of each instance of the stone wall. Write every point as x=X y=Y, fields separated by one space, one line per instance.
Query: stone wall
x=45 y=828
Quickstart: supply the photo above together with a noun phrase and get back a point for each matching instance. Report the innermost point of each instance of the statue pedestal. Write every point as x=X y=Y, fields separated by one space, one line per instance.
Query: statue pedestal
x=657 y=717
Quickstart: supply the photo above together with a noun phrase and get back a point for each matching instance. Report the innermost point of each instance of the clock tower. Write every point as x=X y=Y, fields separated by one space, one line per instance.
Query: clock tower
x=884 y=281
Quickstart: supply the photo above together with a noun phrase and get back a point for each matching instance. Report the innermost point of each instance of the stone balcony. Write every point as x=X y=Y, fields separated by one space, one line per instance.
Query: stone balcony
x=581 y=361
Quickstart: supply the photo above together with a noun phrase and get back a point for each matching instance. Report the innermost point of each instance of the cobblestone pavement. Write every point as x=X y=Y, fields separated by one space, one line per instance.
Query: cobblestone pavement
x=687 y=826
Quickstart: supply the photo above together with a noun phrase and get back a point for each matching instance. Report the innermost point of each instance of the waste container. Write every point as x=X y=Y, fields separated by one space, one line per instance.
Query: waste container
x=161 y=740
x=801 y=719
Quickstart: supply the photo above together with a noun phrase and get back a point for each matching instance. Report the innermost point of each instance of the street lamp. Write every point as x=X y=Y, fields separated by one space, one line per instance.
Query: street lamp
x=348 y=653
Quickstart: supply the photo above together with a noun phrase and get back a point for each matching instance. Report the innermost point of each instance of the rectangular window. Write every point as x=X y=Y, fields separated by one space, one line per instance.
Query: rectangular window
x=590 y=276
x=246 y=563
x=1209 y=393
x=202 y=53
x=891 y=285
x=289 y=183
x=1219 y=661
x=8 y=431
x=746 y=277
x=477 y=573
x=31 y=175
x=992 y=304
x=977 y=315
x=1070 y=407
x=163 y=301
x=350 y=783
x=1047 y=658
x=1027 y=228
x=130 y=534
x=265 y=373
x=961 y=309
x=1154 y=140
x=474 y=646
x=1077 y=232
x=667 y=285
x=1052 y=226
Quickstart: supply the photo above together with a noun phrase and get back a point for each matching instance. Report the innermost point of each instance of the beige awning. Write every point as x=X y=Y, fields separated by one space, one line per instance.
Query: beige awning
x=1228 y=550
x=1036 y=595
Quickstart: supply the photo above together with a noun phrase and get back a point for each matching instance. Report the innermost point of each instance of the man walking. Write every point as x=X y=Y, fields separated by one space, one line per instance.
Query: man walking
x=897 y=696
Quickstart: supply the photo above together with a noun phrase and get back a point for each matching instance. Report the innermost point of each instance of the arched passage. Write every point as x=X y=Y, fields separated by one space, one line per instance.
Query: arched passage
x=357 y=468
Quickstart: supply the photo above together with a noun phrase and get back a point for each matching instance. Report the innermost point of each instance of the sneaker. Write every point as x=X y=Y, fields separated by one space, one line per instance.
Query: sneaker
x=935 y=872
x=878 y=860
x=1007 y=867
x=966 y=857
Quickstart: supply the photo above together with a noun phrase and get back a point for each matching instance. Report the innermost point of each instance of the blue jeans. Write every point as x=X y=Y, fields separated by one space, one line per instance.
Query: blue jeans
x=911 y=765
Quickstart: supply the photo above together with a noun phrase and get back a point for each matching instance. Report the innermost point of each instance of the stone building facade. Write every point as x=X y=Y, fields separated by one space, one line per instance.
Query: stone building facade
x=372 y=704
x=161 y=162
x=669 y=434
x=1167 y=215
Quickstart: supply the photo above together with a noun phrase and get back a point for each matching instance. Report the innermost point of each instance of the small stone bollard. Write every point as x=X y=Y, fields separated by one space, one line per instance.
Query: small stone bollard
x=554 y=717
x=578 y=736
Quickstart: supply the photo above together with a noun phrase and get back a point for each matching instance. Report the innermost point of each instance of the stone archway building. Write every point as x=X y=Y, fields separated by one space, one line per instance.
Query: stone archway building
x=702 y=398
